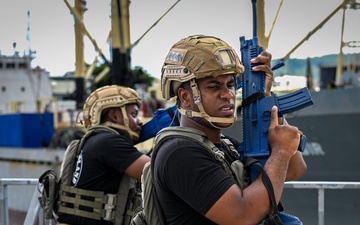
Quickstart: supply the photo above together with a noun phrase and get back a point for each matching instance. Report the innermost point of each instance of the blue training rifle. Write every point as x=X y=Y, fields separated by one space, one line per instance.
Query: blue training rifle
x=256 y=107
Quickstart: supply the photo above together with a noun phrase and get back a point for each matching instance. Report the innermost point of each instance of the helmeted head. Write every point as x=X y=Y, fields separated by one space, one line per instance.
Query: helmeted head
x=106 y=97
x=197 y=57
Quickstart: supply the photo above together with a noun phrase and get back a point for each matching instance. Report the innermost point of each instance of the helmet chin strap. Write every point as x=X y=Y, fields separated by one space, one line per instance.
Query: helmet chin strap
x=134 y=136
x=202 y=113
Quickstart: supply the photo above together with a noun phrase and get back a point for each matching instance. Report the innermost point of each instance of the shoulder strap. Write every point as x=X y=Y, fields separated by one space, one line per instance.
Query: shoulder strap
x=230 y=147
x=80 y=143
x=200 y=138
x=156 y=202
x=192 y=134
x=93 y=130
x=274 y=214
x=234 y=169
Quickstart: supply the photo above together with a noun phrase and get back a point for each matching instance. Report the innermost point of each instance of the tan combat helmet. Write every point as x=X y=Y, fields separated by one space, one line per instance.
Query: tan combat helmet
x=110 y=96
x=197 y=57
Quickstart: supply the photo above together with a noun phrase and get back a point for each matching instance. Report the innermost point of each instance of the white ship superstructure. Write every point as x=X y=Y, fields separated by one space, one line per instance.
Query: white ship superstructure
x=23 y=89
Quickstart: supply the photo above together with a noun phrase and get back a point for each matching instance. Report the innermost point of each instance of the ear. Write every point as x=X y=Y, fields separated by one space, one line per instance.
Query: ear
x=185 y=97
x=112 y=115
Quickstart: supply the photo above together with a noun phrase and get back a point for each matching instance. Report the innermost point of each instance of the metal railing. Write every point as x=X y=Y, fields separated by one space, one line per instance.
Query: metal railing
x=321 y=186
x=34 y=216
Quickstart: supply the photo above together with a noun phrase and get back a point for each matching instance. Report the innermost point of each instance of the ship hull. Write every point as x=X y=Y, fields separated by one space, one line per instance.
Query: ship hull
x=334 y=157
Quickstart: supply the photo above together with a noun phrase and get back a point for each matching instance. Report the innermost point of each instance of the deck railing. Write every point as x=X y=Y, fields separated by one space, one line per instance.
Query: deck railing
x=321 y=186
x=34 y=216
x=34 y=213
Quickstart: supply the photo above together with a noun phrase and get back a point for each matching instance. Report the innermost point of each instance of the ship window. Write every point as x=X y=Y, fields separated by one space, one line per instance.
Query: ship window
x=3 y=88
x=22 y=65
x=1 y=65
x=22 y=89
x=10 y=65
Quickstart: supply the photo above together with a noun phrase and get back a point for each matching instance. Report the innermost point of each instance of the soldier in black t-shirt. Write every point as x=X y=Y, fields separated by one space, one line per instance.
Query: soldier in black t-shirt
x=193 y=188
x=107 y=156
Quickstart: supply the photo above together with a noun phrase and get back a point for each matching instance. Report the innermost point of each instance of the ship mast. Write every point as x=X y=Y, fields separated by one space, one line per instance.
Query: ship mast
x=120 y=42
x=80 y=30
x=79 y=52
x=352 y=4
x=121 y=73
x=340 y=61
x=78 y=13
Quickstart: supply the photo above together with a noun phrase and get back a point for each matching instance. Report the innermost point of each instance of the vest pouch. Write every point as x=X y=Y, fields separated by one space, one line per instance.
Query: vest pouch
x=240 y=173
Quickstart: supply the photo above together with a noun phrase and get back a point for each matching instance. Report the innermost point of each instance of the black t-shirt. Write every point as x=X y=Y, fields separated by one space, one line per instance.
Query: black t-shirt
x=188 y=180
x=103 y=160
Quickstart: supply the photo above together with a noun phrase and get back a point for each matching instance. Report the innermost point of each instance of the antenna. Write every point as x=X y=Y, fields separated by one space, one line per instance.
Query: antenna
x=28 y=31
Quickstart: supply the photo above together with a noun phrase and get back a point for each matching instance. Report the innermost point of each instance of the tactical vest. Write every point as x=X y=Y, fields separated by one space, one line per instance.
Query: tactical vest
x=235 y=170
x=62 y=197
x=152 y=212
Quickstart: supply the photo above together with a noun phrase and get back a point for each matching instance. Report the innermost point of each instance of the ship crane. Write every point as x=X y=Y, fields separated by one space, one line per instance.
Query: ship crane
x=264 y=40
x=119 y=35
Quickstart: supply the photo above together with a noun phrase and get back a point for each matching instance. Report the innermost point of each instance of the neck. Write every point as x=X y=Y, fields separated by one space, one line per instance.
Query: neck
x=213 y=134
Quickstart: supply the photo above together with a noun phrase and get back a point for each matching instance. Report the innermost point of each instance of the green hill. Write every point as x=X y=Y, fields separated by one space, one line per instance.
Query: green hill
x=295 y=66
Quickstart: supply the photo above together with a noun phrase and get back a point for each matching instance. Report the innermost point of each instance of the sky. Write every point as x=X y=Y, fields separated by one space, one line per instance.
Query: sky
x=51 y=32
